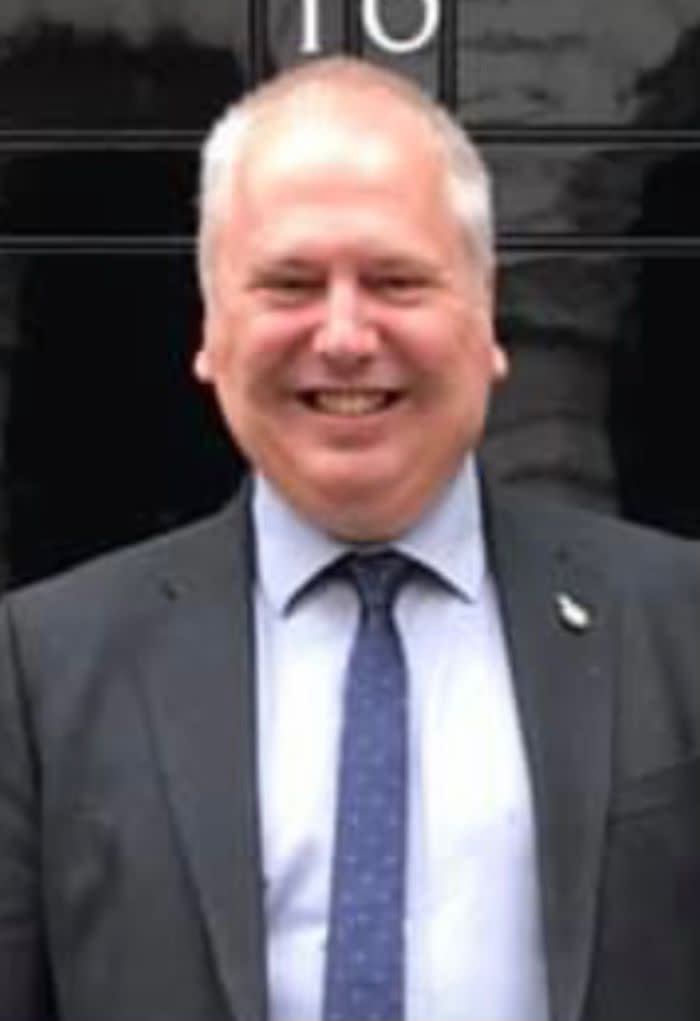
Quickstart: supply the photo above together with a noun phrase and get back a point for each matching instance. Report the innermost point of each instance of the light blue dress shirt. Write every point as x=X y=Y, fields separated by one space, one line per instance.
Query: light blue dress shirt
x=473 y=927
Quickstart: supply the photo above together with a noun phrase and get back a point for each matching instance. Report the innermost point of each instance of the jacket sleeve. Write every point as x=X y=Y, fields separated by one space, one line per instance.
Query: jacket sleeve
x=24 y=974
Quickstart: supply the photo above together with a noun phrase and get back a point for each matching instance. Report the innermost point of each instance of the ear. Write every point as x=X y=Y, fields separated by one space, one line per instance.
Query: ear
x=500 y=362
x=202 y=365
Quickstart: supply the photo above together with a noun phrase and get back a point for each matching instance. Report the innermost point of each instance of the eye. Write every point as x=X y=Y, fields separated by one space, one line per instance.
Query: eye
x=289 y=288
x=401 y=287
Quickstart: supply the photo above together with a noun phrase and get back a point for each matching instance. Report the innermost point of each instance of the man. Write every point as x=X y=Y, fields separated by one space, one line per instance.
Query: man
x=175 y=758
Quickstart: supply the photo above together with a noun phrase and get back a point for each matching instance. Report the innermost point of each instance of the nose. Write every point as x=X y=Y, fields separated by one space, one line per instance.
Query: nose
x=345 y=336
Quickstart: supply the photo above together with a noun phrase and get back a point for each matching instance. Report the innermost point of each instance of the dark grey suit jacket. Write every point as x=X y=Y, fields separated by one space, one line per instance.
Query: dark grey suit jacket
x=130 y=882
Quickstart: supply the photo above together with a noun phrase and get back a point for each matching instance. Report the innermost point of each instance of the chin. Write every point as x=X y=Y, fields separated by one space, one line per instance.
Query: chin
x=360 y=513
x=358 y=496
x=360 y=527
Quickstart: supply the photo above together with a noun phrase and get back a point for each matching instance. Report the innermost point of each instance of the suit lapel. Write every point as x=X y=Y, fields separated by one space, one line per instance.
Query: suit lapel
x=200 y=692
x=559 y=632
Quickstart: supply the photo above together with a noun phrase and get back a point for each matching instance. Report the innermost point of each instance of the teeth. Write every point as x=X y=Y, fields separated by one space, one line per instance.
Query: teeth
x=349 y=402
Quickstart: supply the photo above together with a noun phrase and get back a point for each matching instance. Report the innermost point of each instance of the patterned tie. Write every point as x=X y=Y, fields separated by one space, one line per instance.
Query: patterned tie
x=365 y=956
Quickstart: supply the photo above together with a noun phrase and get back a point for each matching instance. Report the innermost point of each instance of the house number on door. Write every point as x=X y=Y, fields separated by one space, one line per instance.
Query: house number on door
x=374 y=27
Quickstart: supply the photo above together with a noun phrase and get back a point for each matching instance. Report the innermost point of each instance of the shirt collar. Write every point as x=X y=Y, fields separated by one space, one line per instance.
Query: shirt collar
x=448 y=540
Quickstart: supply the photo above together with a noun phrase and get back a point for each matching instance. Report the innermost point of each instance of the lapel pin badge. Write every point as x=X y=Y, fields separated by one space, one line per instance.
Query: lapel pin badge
x=572 y=614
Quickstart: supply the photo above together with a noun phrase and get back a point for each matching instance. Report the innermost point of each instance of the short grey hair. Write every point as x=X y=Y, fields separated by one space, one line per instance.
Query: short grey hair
x=467 y=179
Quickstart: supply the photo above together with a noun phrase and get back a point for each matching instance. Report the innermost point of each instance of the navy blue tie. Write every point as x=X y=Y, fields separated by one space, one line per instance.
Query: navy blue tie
x=364 y=979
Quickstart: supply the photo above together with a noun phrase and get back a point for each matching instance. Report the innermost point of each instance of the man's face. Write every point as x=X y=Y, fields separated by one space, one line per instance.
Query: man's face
x=349 y=333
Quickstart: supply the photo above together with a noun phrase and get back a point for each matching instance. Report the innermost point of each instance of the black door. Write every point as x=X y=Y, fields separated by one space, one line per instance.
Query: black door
x=591 y=129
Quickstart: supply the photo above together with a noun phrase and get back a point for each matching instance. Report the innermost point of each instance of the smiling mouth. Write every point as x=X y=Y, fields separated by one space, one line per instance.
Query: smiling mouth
x=349 y=403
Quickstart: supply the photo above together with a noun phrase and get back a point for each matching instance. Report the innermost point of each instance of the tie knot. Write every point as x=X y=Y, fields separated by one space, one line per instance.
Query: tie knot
x=377 y=577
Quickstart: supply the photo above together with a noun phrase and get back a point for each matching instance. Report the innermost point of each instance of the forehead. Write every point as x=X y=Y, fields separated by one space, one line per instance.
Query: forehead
x=346 y=163
x=302 y=141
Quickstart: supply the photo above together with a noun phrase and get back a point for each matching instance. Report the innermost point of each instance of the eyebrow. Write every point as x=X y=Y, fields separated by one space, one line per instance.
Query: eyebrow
x=408 y=261
x=276 y=262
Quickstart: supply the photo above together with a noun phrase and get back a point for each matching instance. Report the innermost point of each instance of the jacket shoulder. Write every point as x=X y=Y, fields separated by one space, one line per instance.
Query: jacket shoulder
x=634 y=557
x=125 y=582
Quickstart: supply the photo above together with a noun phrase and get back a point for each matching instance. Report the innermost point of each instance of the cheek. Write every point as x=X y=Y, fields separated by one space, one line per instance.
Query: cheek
x=263 y=352
x=249 y=377
x=450 y=360
x=227 y=353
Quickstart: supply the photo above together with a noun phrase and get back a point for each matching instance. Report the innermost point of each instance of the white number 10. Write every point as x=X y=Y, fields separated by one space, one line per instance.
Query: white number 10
x=373 y=26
